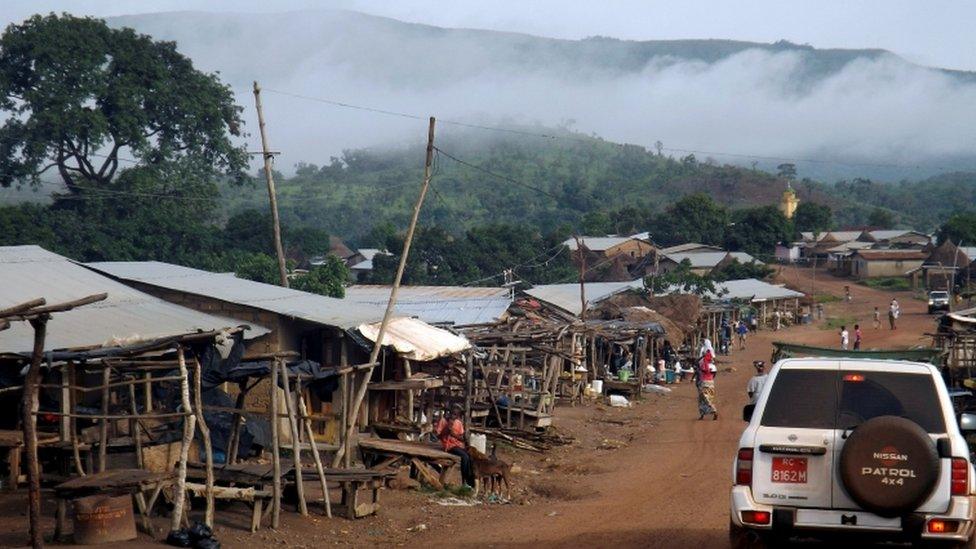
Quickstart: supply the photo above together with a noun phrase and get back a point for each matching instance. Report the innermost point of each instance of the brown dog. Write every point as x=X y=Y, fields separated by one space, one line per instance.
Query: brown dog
x=490 y=473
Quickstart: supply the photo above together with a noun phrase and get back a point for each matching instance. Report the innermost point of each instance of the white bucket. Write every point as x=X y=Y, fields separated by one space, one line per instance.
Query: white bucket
x=479 y=442
x=598 y=386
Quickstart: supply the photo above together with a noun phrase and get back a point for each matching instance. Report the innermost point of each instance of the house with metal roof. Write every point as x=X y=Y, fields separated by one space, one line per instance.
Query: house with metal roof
x=126 y=317
x=443 y=305
x=703 y=263
x=567 y=296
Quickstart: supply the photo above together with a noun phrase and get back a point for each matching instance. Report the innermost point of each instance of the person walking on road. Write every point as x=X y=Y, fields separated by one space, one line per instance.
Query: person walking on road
x=756 y=383
x=893 y=312
x=857 y=337
x=743 y=331
x=706 y=381
x=845 y=337
x=877 y=319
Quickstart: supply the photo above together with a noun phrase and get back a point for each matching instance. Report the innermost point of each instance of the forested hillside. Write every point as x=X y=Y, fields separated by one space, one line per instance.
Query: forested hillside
x=568 y=181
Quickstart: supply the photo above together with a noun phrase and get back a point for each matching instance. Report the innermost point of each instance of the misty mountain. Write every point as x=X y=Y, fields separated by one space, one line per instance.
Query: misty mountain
x=850 y=112
x=550 y=184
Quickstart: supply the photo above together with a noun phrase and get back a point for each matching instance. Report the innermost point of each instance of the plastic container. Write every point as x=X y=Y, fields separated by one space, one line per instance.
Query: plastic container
x=479 y=442
x=669 y=376
x=624 y=375
x=598 y=386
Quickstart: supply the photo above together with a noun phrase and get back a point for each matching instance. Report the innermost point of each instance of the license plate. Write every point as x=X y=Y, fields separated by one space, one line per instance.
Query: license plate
x=790 y=470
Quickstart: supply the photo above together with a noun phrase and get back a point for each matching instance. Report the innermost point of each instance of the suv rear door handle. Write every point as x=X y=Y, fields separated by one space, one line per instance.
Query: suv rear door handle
x=793 y=449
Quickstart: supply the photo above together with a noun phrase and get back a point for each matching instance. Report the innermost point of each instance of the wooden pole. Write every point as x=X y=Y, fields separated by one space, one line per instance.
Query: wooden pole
x=275 y=455
x=361 y=392
x=189 y=426
x=73 y=429
x=29 y=408
x=103 y=427
x=272 y=196
x=207 y=445
x=319 y=468
x=296 y=445
x=582 y=273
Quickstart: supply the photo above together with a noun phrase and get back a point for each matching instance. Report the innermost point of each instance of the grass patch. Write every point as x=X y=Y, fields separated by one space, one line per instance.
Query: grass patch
x=893 y=283
x=834 y=323
x=825 y=298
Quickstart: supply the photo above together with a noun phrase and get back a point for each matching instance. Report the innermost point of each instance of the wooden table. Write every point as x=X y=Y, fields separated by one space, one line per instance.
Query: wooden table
x=13 y=442
x=116 y=482
x=419 y=454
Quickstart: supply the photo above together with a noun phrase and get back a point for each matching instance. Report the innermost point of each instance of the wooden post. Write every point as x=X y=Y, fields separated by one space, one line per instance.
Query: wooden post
x=135 y=431
x=361 y=392
x=296 y=445
x=408 y=373
x=582 y=273
x=73 y=429
x=272 y=196
x=207 y=445
x=468 y=389
x=275 y=455
x=189 y=426
x=103 y=427
x=346 y=401
x=29 y=407
x=319 y=468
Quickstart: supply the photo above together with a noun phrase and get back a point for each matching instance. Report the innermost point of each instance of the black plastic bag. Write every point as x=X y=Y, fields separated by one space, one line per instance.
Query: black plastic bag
x=179 y=538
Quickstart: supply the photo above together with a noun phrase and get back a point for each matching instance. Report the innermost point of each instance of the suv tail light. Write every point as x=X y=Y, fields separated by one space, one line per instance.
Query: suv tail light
x=743 y=467
x=960 y=477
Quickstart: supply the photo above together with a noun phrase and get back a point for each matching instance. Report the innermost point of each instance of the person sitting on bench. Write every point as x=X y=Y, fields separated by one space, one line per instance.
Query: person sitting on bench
x=450 y=431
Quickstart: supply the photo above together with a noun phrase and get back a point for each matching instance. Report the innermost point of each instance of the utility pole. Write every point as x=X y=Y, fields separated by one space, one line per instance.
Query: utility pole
x=272 y=196
x=582 y=272
x=374 y=355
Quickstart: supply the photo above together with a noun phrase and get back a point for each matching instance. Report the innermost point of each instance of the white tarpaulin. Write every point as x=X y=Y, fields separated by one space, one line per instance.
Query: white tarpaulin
x=414 y=339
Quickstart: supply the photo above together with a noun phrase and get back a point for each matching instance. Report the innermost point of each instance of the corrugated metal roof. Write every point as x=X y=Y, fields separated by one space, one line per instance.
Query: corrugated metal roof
x=416 y=340
x=603 y=243
x=567 y=296
x=755 y=289
x=29 y=272
x=690 y=247
x=227 y=287
x=458 y=305
x=707 y=260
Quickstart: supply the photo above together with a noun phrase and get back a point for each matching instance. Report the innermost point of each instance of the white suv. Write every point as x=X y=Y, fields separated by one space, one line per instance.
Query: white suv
x=849 y=448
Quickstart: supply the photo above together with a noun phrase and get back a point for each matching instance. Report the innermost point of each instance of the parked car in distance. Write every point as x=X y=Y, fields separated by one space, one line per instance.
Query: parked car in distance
x=938 y=301
x=853 y=448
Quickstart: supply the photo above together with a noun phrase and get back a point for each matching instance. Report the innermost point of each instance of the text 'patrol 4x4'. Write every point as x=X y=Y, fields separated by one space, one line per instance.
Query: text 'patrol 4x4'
x=852 y=448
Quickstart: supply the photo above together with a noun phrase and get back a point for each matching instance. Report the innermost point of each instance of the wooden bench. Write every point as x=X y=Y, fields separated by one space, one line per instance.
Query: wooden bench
x=116 y=482
x=13 y=442
x=384 y=453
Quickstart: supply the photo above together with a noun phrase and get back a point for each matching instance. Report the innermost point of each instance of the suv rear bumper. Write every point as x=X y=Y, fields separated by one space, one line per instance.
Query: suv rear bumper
x=784 y=520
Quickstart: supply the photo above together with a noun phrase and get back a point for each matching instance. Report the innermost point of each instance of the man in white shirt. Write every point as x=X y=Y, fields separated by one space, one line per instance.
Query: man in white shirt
x=756 y=383
x=845 y=337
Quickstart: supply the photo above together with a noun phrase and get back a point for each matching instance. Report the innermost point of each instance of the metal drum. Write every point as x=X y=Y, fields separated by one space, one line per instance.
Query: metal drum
x=104 y=519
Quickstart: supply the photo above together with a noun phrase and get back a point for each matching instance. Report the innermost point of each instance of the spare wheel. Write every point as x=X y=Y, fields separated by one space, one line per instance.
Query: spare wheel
x=889 y=465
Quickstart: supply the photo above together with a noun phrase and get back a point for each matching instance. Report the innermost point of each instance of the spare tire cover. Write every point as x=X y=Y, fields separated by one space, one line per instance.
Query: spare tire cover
x=889 y=465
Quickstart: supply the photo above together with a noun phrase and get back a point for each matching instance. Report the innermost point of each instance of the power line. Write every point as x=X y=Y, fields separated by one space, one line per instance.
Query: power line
x=498 y=175
x=389 y=112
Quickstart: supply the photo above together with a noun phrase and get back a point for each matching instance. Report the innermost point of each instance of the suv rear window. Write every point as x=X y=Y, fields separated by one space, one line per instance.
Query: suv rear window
x=828 y=399
x=865 y=395
x=805 y=399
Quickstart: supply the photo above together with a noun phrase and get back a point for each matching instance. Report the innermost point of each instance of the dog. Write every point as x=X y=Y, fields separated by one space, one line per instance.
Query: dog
x=490 y=473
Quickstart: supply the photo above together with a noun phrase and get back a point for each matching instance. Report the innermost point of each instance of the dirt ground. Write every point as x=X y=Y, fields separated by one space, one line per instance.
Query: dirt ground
x=648 y=476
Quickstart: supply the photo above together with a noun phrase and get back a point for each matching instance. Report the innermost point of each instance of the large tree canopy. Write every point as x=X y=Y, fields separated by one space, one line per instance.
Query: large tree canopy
x=78 y=95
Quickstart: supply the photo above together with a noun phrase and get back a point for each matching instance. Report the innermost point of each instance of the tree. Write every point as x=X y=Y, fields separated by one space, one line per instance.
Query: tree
x=814 y=217
x=328 y=279
x=257 y=267
x=736 y=270
x=694 y=218
x=786 y=171
x=596 y=224
x=881 y=219
x=80 y=96
x=758 y=230
x=960 y=228
x=681 y=279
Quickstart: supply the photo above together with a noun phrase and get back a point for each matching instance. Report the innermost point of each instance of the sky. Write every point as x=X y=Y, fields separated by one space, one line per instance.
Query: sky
x=874 y=112
x=929 y=32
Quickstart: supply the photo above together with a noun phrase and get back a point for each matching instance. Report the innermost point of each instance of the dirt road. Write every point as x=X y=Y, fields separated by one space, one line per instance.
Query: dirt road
x=648 y=476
